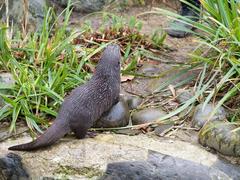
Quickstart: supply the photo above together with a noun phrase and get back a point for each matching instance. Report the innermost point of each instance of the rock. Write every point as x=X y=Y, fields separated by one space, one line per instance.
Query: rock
x=201 y=116
x=162 y=128
x=174 y=77
x=230 y=169
x=147 y=115
x=85 y=6
x=183 y=95
x=16 y=13
x=6 y=81
x=150 y=69
x=118 y=116
x=4 y=131
x=132 y=101
x=11 y=168
x=161 y=166
x=82 y=158
x=221 y=137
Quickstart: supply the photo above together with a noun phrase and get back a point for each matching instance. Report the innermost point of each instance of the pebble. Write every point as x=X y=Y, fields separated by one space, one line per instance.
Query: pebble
x=201 y=116
x=118 y=116
x=147 y=115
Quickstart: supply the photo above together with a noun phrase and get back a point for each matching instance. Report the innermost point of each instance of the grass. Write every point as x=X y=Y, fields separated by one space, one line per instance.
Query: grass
x=46 y=65
x=219 y=38
x=43 y=66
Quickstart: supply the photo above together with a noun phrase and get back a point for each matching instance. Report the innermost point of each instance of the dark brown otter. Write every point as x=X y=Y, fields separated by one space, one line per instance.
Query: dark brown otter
x=85 y=104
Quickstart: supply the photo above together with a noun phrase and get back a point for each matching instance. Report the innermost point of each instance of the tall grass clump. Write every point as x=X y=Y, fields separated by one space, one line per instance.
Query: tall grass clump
x=218 y=32
x=44 y=66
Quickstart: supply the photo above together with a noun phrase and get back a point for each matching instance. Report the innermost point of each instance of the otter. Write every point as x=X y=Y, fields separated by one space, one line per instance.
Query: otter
x=85 y=104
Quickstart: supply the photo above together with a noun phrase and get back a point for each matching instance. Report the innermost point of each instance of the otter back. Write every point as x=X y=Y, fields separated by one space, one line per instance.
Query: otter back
x=86 y=103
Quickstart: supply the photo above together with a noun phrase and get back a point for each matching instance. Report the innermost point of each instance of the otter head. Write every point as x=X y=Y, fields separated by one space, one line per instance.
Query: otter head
x=110 y=60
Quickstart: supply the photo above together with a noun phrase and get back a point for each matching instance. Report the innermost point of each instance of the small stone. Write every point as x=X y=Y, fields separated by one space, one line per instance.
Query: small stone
x=149 y=69
x=6 y=81
x=7 y=78
x=221 y=137
x=132 y=101
x=147 y=115
x=118 y=116
x=183 y=95
x=162 y=128
x=201 y=115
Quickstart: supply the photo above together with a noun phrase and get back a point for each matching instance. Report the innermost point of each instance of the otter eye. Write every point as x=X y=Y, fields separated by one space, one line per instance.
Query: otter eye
x=118 y=62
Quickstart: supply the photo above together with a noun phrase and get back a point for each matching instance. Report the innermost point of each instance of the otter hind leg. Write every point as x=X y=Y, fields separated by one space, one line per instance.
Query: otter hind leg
x=79 y=129
x=80 y=133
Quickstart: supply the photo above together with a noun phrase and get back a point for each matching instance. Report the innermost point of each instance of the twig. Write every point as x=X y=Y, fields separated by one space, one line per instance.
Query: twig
x=185 y=128
x=134 y=126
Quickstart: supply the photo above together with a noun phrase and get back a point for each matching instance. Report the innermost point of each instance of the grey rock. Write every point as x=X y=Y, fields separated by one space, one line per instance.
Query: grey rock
x=150 y=69
x=221 y=137
x=90 y=153
x=85 y=6
x=6 y=81
x=118 y=116
x=11 y=168
x=35 y=13
x=161 y=166
x=147 y=115
x=4 y=131
x=184 y=95
x=132 y=101
x=231 y=170
x=201 y=116
x=157 y=84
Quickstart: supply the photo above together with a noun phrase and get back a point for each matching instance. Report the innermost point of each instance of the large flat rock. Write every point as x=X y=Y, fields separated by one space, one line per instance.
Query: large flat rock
x=88 y=158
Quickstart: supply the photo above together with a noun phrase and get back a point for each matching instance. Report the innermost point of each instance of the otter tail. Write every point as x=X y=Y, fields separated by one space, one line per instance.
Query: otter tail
x=59 y=128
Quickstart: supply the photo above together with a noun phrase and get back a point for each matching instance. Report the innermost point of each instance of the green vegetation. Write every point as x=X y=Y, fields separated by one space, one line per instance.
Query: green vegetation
x=47 y=64
x=44 y=66
x=89 y=172
x=219 y=37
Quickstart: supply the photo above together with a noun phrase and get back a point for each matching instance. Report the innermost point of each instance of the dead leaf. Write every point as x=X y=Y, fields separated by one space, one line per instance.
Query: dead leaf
x=126 y=78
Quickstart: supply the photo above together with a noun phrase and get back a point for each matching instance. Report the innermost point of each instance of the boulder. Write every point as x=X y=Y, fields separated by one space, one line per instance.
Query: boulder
x=147 y=115
x=117 y=116
x=221 y=136
x=161 y=166
x=202 y=115
x=34 y=11
x=11 y=168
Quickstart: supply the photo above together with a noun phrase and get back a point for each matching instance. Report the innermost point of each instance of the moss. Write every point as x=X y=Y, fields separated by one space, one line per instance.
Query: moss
x=88 y=172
